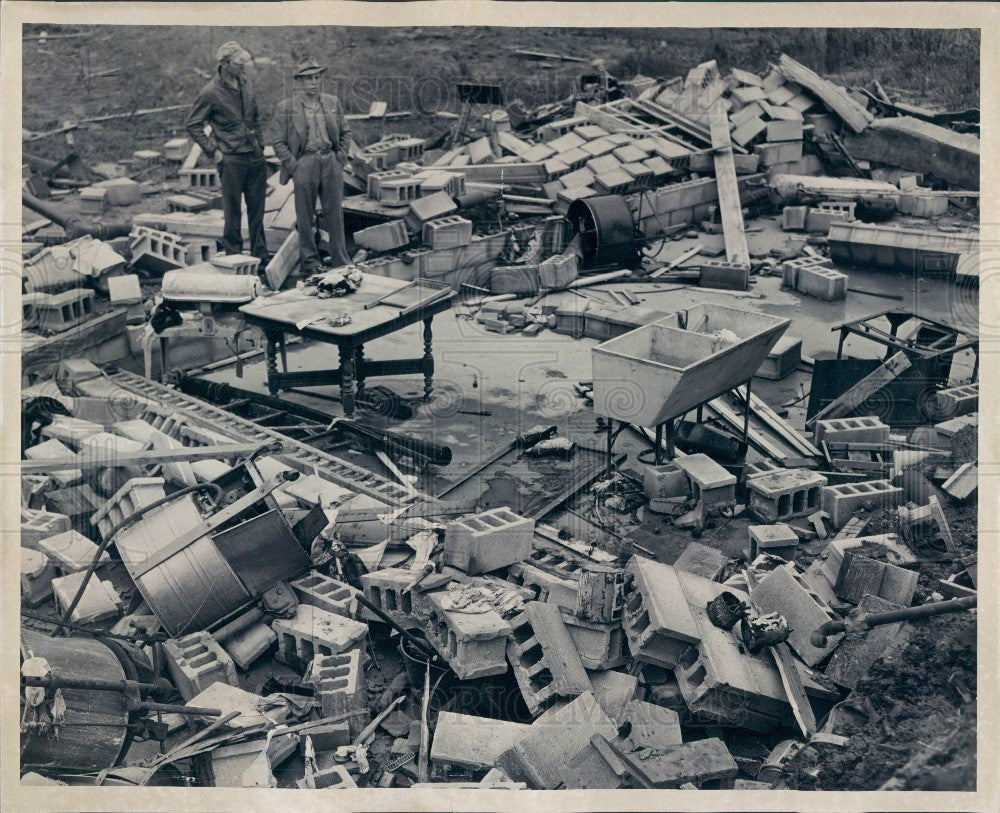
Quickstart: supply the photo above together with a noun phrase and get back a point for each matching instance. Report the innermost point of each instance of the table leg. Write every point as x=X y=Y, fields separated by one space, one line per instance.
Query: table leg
x=284 y=354
x=271 y=359
x=428 y=360
x=347 y=379
x=359 y=371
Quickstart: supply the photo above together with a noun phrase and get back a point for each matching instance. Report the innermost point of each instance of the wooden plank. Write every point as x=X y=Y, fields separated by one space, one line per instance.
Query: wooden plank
x=853 y=114
x=503 y=173
x=863 y=390
x=754 y=437
x=780 y=427
x=730 y=207
x=283 y=261
x=687 y=255
x=91 y=461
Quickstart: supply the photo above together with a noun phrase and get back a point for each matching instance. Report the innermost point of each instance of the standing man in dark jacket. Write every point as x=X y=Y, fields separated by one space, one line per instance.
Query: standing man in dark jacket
x=236 y=145
x=311 y=139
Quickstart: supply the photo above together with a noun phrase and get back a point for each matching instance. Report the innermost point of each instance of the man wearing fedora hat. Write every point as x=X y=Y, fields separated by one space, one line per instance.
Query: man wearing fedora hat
x=311 y=139
x=236 y=146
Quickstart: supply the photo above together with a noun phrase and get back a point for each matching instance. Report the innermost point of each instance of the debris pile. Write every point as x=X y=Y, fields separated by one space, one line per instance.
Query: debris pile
x=213 y=594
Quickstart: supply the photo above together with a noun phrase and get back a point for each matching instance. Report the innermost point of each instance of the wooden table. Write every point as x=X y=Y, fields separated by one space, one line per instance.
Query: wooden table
x=296 y=313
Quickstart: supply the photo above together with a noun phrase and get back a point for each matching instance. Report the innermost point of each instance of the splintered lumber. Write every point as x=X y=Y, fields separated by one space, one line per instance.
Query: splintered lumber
x=863 y=390
x=730 y=208
x=836 y=98
x=670 y=266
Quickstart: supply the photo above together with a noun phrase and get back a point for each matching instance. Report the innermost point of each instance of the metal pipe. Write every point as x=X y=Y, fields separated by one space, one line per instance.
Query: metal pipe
x=868 y=620
x=73 y=225
x=420 y=645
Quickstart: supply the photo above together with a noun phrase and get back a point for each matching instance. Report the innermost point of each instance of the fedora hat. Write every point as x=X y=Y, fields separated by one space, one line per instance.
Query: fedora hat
x=307 y=67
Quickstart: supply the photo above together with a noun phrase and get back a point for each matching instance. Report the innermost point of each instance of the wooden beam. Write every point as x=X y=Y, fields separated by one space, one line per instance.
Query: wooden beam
x=730 y=207
x=670 y=266
x=863 y=390
x=283 y=261
x=836 y=98
x=91 y=461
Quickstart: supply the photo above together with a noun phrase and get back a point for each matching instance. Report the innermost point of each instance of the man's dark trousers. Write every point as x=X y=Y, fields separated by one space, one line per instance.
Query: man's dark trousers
x=319 y=175
x=244 y=176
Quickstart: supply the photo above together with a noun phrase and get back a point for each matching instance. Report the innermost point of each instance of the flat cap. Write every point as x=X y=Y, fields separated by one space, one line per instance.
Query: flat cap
x=229 y=50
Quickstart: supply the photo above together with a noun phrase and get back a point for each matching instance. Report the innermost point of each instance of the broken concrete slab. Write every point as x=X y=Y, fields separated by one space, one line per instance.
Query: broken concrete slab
x=466 y=741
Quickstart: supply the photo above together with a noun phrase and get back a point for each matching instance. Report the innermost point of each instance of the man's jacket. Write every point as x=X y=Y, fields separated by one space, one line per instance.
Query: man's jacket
x=235 y=119
x=287 y=132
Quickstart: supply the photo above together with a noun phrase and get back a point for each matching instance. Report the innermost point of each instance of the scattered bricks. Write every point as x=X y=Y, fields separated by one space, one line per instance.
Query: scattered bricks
x=328 y=594
x=242 y=265
x=93 y=200
x=199 y=177
x=447 y=232
x=851 y=430
x=70 y=551
x=721 y=274
x=861 y=576
x=657 y=619
x=711 y=484
x=651 y=726
x=844 y=500
x=156 y=251
x=702 y=560
x=787 y=493
x=37 y=573
x=782 y=361
x=698 y=762
x=542 y=757
x=957 y=401
x=818 y=219
x=134 y=495
x=37 y=524
x=488 y=541
x=601 y=594
x=783 y=152
x=247 y=645
x=336 y=776
x=121 y=191
x=558 y=590
x=312 y=633
x=424 y=209
x=473 y=643
x=600 y=645
x=339 y=684
x=196 y=661
x=383 y=236
x=784 y=591
x=59 y=312
x=545 y=661
x=464 y=741
x=99 y=600
x=963 y=483
x=777 y=540
x=793 y=218
x=858 y=651
x=790 y=268
x=55 y=450
x=783 y=130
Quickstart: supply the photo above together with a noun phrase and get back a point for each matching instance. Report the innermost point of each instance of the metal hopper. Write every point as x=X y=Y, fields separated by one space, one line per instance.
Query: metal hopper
x=664 y=369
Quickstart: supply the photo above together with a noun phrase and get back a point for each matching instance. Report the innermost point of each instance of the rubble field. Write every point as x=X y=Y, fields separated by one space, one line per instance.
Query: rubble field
x=679 y=491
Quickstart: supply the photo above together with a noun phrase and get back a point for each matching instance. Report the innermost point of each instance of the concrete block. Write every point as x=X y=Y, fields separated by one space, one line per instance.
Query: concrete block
x=70 y=551
x=563 y=591
x=566 y=197
x=545 y=661
x=383 y=236
x=465 y=741
x=782 y=152
x=196 y=661
x=488 y=541
x=340 y=686
x=818 y=221
x=614 y=691
x=844 y=500
x=599 y=146
x=55 y=450
x=558 y=271
x=100 y=600
x=199 y=177
x=601 y=594
x=862 y=576
x=74 y=372
x=616 y=182
x=699 y=762
x=711 y=484
x=784 y=130
x=782 y=361
x=867 y=429
x=375 y=180
x=93 y=200
x=777 y=540
x=447 y=232
x=927 y=205
x=238 y=264
x=956 y=401
x=59 y=312
x=657 y=620
x=784 y=494
x=541 y=758
x=121 y=191
x=318 y=590
x=246 y=646
x=748 y=130
x=721 y=274
x=38 y=524
x=176 y=149
x=480 y=151
x=229 y=698
x=963 y=483
x=37 y=573
x=313 y=632
x=790 y=269
x=385 y=589
x=76 y=502
x=702 y=560
x=793 y=218
x=650 y=726
x=567 y=141
x=664 y=482
x=427 y=208
x=600 y=645
x=785 y=591
x=134 y=495
x=474 y=644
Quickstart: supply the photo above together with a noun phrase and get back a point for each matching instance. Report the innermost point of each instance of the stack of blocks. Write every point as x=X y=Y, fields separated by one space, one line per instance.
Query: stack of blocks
x=339 y=684
x=196 y=661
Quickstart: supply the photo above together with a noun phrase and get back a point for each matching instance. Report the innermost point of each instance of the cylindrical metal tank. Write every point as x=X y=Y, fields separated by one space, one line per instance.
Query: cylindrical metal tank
x=606 y=229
